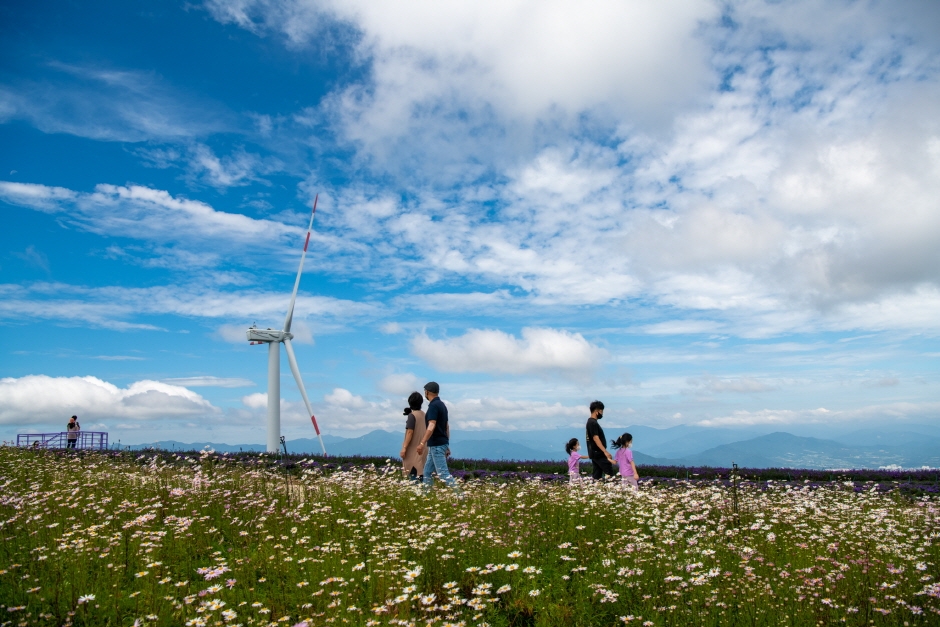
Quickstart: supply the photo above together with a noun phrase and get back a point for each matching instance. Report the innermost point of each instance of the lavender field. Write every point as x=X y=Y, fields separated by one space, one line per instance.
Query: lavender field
x=174 y=539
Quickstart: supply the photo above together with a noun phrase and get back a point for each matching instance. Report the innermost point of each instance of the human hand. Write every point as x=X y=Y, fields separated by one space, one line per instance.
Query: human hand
x=420 y=448
x=402 y=454
x=447 y=452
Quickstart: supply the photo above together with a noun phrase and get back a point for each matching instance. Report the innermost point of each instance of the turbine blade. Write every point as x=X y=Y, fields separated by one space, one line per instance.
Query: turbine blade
x=303 y=392
x=300 y=268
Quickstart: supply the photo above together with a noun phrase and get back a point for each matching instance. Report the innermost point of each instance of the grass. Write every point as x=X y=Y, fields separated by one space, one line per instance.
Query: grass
x=162 y=539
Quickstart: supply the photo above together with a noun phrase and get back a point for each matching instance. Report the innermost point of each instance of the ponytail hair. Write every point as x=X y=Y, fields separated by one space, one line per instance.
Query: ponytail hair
x=570 y=445
x=623 y=440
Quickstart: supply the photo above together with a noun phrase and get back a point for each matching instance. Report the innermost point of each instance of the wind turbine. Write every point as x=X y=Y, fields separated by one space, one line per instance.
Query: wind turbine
x=274 y=338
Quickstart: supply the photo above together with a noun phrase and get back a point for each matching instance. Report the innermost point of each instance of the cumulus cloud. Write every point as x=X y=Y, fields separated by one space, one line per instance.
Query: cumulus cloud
x=400 y=383
x=524 y=57
x=258 y=400
x=345 y=399
x=345 y=411
x=37 y=399
x=537 y=351
x=794 y=191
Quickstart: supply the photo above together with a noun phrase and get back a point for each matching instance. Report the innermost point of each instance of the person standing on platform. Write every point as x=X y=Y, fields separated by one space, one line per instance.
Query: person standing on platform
x=73 y=429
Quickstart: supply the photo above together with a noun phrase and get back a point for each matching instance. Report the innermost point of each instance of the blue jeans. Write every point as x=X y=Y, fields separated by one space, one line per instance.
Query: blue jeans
x=437 y=461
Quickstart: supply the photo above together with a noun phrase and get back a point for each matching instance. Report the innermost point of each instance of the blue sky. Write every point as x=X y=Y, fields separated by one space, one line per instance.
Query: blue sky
x=712 y=213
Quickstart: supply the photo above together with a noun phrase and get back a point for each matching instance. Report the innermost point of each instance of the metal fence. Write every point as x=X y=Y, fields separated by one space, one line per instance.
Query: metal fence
x=84 y=439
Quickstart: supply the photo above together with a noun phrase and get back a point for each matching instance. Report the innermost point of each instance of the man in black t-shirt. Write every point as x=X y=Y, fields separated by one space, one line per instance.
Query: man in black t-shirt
x=601 y=460
x=436 y=439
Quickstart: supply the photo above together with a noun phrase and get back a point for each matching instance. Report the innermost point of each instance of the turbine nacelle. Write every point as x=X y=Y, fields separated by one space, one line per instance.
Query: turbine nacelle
x=262 y=336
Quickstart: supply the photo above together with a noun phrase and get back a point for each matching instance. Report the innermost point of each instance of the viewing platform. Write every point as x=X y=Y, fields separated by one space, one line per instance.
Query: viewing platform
x=85 y=440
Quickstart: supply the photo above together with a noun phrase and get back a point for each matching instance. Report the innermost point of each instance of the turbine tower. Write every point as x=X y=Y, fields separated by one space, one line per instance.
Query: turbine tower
x=274 y=338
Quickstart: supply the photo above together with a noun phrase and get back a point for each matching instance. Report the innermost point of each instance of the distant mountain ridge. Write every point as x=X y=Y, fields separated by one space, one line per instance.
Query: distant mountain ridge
x=914 y=447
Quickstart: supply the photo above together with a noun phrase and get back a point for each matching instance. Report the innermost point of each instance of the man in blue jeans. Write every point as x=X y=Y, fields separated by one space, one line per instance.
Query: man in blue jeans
x=436 y=438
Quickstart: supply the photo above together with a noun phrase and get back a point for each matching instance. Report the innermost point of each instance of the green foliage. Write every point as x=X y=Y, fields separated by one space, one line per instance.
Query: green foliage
x=110 y=539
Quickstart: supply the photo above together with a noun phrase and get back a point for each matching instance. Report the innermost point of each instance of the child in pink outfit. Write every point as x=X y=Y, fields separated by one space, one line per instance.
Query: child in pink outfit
x=624 y=459
x=574 y=460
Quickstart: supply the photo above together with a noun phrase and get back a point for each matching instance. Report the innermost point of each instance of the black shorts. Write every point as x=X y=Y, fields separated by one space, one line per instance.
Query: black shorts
x=602 y=466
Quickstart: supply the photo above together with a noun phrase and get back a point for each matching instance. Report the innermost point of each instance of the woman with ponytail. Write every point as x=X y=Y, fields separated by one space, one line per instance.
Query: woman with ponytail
x=412 y=462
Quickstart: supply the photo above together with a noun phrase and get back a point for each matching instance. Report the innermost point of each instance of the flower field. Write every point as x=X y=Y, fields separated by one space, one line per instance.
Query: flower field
x=104 y=539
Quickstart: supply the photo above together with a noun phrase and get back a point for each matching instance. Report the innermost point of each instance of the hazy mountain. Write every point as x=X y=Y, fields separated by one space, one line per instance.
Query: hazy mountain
x=220 y=447
x=790 y=451
x=388 y=444
x=912 y=447
x=911 y=435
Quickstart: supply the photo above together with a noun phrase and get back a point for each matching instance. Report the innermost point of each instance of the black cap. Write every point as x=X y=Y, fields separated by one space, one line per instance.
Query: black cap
x=432 y=387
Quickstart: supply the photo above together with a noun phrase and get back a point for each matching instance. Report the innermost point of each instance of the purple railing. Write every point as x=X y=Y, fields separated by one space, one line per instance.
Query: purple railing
x=85 y=439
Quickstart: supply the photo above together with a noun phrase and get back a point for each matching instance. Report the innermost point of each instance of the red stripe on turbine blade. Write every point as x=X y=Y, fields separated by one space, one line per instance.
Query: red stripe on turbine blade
x=307 y=242
x=313 y=419
x=315 y=199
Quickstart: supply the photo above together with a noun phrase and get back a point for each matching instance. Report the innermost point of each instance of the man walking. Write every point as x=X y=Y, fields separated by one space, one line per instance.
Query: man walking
x=436 y=438
x=601 y=460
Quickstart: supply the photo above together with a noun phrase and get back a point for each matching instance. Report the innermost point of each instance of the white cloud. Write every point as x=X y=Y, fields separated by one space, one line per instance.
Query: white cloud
x=345 y=399
x=234 y=333
x=258 y=400
x=893 y=413
x=110 y=105
x=39 y=197
x=239 y=168
x=523 y=59
x=34 y=258
x=883 y=382
x=682 y=327
x=111 y=307
x=210 y=381
x=40 y=399
x=301 y=331
x=400 y=383
x=537 y=351
x=147 y=214
x=798 y=197
x=743 y=385
x=503 y=414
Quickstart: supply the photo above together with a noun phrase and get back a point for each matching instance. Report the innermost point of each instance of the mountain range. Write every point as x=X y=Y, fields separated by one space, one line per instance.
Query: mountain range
x=914 y=447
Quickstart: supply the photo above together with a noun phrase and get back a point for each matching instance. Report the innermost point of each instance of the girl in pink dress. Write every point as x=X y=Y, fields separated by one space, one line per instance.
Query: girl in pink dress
x=574 y=460
x=624 y=458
